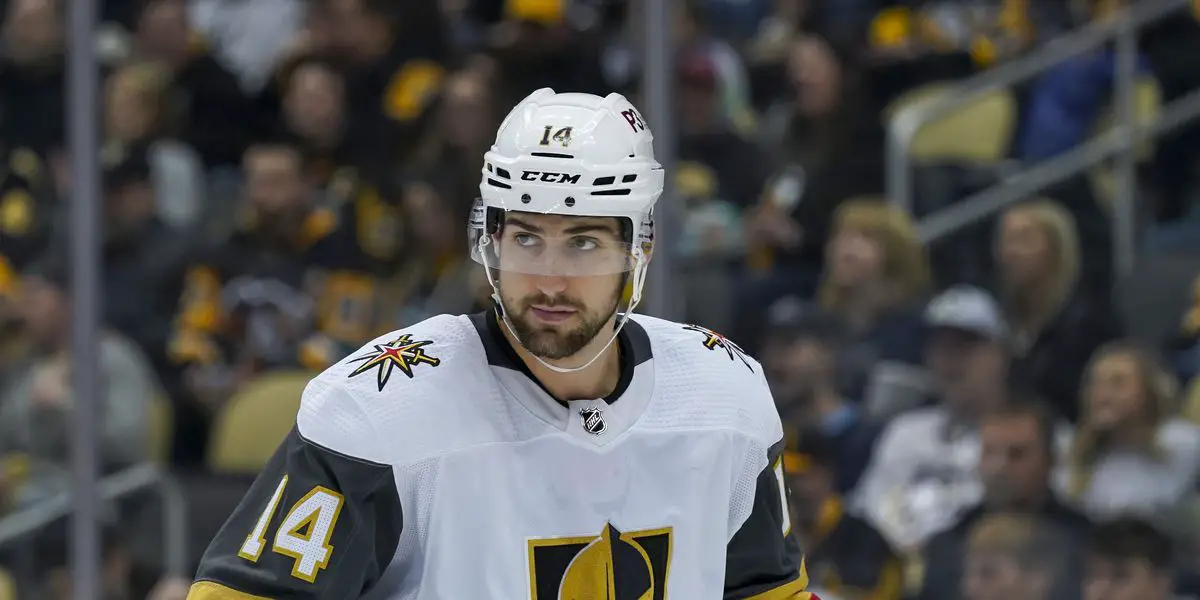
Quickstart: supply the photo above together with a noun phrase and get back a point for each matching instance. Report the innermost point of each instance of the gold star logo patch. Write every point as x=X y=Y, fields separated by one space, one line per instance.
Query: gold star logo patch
x=403 y=353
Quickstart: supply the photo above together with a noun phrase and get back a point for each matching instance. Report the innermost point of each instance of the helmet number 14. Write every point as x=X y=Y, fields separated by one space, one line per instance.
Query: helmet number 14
x=562 y=135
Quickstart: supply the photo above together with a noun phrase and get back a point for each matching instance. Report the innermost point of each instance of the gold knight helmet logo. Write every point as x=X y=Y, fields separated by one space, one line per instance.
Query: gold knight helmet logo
x=610 y=566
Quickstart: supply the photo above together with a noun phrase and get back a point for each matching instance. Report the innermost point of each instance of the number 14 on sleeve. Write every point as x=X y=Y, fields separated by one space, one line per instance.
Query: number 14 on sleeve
x=304 y=533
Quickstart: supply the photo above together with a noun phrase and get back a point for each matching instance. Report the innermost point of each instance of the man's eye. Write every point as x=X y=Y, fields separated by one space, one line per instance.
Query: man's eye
x=584 y=243
x=524 y=239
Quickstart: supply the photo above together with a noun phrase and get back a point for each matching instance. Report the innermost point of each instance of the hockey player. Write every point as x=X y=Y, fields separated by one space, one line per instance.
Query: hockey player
x=556 y=447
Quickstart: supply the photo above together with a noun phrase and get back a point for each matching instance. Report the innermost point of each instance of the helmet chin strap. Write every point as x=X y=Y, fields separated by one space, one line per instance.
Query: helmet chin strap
x=639 y=278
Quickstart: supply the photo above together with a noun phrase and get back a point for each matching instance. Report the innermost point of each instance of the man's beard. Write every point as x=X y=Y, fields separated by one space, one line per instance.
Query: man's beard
x=550 y=343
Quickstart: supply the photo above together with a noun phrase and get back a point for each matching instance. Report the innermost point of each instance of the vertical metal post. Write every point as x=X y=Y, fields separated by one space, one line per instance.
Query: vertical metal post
x=658 y=81
x=1125 y=203
x=897 y=173
x=83 y=127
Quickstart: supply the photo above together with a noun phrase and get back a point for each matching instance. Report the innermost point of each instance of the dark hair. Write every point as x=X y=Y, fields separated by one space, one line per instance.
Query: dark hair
x=1129 y=538
x=1026 y=407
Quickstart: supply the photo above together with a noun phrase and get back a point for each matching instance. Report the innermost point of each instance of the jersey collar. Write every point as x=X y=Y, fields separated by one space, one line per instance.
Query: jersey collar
x=633 y=345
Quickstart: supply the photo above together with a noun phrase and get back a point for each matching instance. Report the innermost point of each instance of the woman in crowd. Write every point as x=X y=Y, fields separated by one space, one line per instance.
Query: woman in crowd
x=1131 y=452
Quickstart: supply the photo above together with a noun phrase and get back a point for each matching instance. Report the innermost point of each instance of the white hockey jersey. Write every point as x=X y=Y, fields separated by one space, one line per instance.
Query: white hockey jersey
x=431 y=465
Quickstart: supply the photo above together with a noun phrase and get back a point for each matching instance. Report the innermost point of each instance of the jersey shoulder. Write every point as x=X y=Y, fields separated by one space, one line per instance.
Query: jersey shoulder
x=718 y=382
x=392 y=401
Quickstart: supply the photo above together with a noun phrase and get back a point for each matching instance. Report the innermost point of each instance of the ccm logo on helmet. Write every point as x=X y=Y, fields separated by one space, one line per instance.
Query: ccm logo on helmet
x=549 y=177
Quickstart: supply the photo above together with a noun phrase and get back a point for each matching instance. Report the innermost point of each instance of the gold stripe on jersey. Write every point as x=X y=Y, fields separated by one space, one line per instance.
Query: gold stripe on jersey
x=210 y=590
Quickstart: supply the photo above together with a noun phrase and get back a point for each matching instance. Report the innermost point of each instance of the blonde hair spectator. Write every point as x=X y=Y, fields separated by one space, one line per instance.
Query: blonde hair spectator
x=1058 y=231
x=1131 y=452
x=892 y=234
x=1054 y=328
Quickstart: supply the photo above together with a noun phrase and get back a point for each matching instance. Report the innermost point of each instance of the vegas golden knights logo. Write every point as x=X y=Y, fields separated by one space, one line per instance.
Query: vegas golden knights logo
x=610 y=566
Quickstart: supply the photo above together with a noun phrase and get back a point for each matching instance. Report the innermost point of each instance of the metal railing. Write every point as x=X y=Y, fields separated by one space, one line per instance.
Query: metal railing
x=139 y=478
x=1120 y=141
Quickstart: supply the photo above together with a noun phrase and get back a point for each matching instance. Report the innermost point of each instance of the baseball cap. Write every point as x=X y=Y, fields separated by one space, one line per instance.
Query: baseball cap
x=970 y=309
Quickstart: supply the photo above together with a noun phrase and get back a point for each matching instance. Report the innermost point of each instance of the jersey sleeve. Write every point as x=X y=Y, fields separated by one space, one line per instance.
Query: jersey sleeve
x=322 y=520
x=763 y=560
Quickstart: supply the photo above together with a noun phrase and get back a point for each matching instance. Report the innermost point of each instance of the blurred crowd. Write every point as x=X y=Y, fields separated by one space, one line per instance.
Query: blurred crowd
x=981 y=418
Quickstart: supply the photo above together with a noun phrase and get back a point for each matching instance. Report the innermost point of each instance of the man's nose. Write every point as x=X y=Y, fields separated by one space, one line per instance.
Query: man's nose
x=551 y=285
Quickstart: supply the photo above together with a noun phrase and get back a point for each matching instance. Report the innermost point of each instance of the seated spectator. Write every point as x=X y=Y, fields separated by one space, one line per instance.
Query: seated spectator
x=292 y=289
x=721 y=170
x=1016 y=459
x=33 y=75
x=1055 y=325
x=875 y=279
x=211 y=113
x=1128 y=559
x=137 y=98
x=1131 y=452
x=823 y=151
x=844 y=554
x=1012 y=556
x=801 y=361
x=35 y=409
x=393 y=57
x=924 y=471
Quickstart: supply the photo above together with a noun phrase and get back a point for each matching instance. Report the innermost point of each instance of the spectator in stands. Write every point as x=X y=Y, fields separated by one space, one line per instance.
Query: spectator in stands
x=314 y=114
x=844 y=554
x=213 y=115
x=1012 y=556
x=1055 y=327
x=1017 y=456
x=35 y=426
x=709 y=140
x=801 y=363
x=143 y=257
x=394 y=57
x=1131 y=452
x=693 y=31
x=250 y=37
x=287 y=290
x=823 y=151
x=32 y=75
x=135 y=115
x=1128 y=559
x=720 y=172
x=28 y=207
x=875 y=279
x=924 y=471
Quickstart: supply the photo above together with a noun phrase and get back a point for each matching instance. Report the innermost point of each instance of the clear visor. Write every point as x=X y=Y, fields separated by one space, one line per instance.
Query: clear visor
x=553 y=245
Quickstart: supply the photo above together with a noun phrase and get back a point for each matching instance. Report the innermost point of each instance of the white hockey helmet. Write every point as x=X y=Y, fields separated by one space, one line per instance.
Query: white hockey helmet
x=573 y=155
x=570 y=154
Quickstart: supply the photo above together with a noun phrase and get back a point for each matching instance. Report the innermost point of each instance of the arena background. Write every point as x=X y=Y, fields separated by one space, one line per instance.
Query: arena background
x=202 y=202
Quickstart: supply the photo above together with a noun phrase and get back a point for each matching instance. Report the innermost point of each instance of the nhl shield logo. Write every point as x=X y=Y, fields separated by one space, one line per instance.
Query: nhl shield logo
x=593 y=420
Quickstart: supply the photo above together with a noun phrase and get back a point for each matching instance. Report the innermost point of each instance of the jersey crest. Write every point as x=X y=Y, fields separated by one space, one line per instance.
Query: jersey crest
x=714 y=340
x=403 y=353
x=613 y=565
